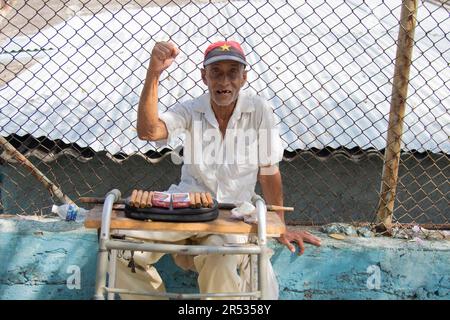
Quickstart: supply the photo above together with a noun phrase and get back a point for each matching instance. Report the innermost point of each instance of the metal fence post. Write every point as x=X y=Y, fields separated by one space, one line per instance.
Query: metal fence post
x=396 y=114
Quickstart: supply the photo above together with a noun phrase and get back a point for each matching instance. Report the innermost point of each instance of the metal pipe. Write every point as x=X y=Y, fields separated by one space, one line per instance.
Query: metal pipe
x=184 y=295
x=102 y=255
x=112 y=273
x=253 y=272
x=261 y=212
x=263 y=260
x=179 y=249
x=111 y=197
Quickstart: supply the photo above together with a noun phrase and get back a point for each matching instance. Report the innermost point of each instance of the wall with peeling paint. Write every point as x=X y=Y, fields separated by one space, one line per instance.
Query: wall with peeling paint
x=38 y=258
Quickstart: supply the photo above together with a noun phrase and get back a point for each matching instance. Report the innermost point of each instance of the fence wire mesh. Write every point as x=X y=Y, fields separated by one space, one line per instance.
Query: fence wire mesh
x=71 y=73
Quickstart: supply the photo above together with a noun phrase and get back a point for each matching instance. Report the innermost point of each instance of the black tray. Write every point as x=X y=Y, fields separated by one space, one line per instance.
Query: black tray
x=171 y=214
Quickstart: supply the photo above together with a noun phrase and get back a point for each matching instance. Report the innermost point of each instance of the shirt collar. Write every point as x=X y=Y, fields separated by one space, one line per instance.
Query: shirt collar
x=203 y=105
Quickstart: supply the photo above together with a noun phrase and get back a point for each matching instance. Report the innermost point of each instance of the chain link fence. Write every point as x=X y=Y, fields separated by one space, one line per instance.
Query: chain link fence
x=71 y=73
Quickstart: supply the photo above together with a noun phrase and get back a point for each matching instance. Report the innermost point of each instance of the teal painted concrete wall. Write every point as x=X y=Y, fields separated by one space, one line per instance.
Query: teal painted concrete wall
x=38 y=259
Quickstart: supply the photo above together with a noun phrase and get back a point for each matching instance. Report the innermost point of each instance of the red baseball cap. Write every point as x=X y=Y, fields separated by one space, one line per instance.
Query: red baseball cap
x=224 y=50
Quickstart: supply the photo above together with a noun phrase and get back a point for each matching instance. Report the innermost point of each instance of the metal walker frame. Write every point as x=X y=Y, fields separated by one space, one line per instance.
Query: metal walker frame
x=108 y=249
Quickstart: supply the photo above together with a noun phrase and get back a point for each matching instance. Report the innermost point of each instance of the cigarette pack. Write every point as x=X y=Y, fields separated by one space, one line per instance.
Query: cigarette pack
x=180 y=200
x=161 y=199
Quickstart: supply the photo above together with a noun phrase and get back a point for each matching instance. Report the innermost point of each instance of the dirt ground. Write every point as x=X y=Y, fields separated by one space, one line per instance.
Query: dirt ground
x=25 y=17
x=18 y=17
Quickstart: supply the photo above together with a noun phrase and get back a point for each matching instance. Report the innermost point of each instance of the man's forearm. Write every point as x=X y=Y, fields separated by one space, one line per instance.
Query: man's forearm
x=148 y=106
x=272 y=188
x=148 y=103
x=149 y=126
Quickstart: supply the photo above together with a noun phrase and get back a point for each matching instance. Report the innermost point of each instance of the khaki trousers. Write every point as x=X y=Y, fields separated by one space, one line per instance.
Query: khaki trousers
x=216 y=272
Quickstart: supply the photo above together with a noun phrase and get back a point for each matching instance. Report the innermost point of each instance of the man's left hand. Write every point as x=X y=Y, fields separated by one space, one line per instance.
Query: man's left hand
x=300 y=237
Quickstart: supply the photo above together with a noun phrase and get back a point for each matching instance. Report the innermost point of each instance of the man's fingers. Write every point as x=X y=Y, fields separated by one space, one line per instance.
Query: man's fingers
x=164 y=53
x=316 y=242
x=172 y=50
x=283 y=240
x=165 y=50
x=300 y=238
x=312 y=239
x=301 y=246
x=290 y=246
x=175 y=51
x=161 y=56
x=160 y=53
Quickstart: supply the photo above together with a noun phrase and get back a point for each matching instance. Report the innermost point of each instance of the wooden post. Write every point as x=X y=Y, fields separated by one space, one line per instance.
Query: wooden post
x=50 y=186
x=396 y=115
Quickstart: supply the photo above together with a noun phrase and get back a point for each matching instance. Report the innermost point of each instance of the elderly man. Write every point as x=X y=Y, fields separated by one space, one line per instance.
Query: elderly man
x=231 y=141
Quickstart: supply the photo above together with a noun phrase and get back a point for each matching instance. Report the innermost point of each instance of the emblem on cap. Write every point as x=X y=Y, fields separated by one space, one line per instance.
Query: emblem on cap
x=224 y=50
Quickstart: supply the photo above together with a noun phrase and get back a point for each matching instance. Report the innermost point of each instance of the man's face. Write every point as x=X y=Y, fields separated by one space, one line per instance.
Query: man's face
x=224 y=80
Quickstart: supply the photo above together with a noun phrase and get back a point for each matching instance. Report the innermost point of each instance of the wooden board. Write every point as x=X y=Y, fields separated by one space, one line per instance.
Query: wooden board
x=223 y=224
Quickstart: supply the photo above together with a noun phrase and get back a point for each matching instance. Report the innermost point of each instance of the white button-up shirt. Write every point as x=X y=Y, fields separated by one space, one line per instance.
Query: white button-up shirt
x=225 y=166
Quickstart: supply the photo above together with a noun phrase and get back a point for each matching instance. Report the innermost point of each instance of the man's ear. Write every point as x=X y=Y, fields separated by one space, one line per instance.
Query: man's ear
x=203 y=71
x=244 y=78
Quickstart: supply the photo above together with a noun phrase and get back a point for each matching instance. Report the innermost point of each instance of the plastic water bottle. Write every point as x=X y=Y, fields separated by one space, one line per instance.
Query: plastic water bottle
x=70 y=212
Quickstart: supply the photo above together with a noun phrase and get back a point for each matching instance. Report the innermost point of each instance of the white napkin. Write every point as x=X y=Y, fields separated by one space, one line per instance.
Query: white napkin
x=244 y=211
